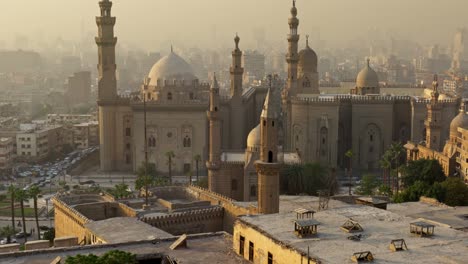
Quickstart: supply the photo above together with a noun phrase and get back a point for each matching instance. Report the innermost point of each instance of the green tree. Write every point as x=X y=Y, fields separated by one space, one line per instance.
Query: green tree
x=120 y=190
x=308 y=178
x=50 y=235
x=8 y=232
x=145 y=176
x=111 y=257
x=21 y=196
x=456 y=192
x=197 y=159
x=12 y=190
x=369 y=184
x=34 y=192
x=425 y=170
x=170 y=156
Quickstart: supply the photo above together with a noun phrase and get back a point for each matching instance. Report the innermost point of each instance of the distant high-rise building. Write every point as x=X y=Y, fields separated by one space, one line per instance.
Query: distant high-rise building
x=79 y=88
x=254 y=64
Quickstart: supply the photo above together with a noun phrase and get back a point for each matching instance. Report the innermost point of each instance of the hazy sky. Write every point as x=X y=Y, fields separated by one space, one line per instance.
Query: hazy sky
x=149 y=23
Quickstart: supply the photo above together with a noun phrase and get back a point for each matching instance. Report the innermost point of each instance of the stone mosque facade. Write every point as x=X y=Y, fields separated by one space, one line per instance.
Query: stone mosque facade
x=189 y=117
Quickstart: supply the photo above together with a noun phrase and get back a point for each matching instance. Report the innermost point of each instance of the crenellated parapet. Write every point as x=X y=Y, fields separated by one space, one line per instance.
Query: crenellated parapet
x=215 y=195
x=69 y=211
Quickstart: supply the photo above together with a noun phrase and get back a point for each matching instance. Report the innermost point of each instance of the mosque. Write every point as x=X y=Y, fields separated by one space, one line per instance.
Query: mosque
x=189 y=117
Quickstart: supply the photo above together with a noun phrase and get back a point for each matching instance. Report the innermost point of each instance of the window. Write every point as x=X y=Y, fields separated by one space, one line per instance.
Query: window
x=127 y=159
x=264 y=123
x=234 y=185
x=272 y=123
x=241 y=245
x=187 y=142
x=169 y=96
x=187 y=167
x=191 y=96
x=251 y=251
x=270 y=156
x=128 y=132
x=128 y=146
x=270 y=258
x=253 y=190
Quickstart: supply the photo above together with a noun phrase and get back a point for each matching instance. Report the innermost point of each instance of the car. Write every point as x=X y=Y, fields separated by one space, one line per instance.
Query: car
x=4 y=241
x=22 y=235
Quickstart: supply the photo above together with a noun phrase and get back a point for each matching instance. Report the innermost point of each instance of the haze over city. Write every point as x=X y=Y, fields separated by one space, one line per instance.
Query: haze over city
x=233 y=131
x=149 y=24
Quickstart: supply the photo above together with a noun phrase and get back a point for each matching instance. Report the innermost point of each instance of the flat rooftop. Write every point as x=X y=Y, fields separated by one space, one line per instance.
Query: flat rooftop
x=200 y=249
x=125 y=229
x=380 y=227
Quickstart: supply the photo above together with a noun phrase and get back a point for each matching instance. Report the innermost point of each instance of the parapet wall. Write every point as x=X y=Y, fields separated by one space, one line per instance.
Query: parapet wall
x=68 y=221
x=231 y=209
x=191 y=222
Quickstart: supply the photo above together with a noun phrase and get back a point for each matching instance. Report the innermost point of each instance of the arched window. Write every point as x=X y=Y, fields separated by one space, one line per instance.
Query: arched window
x=306 y=83
x=169 y=96
x=187 y=142
x=234 y=185
x=191 y=96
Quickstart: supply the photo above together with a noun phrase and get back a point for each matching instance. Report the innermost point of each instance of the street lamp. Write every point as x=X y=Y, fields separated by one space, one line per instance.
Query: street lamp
x=47 y=212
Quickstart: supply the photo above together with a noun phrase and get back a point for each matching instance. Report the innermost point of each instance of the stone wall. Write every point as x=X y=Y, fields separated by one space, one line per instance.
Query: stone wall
x=264 y=244
x=190 y=222
x=68 y=221
x=231 y=209
x=38 y=244
x=105 y=210
x=9 y=248
x=68 y=241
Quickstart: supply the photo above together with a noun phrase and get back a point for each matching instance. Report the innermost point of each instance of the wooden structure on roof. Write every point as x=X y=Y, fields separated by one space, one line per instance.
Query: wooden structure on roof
x=181 y=242
x=422 y=229
x=302 y=213
x=398 y=245
x=365 y=256
x=305 y=227
x=351 y=226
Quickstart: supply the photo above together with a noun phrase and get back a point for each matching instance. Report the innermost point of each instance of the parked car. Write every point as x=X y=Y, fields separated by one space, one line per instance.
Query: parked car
x=22 y=235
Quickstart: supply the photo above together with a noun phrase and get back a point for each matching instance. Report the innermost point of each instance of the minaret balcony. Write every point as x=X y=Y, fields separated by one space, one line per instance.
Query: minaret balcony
x=106 y=42
x=105 y=21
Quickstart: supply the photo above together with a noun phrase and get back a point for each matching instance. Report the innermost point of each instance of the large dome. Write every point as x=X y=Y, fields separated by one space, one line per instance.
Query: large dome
x=171 y=67
x=367 y=77
x=253 y=140
x=308 y=60
x=461 y=120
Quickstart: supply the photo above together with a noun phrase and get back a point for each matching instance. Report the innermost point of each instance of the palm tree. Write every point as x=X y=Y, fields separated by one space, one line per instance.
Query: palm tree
x=22 y=195
x=386 y=164
x=12 y=192
x=7 y=231
x=349 y=155
x=34 y=192
x=170 y=155
x=397 y=150
x=197 y=159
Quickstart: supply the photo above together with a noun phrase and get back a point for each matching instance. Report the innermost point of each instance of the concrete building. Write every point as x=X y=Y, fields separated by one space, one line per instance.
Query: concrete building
x=79 y=88
x=37 y=143
x=68 y=119
x=254 y=65
x=86 y=135
x=6 y=153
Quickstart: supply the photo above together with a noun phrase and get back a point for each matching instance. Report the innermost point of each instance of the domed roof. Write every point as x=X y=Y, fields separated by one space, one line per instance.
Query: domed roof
x=367 y=77
x=461 y=120
x=171 y=67
x=253 y=140
x=308 y=60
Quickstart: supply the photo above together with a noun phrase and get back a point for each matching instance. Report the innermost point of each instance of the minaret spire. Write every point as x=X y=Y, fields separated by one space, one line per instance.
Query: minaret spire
x=292 y=58
x=236 y=69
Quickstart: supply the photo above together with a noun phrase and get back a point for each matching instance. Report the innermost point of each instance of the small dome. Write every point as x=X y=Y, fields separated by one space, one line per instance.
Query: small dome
x=171 y=67
x=461 y=120
x=253 y=140
x=367 y=77
x=307 y=60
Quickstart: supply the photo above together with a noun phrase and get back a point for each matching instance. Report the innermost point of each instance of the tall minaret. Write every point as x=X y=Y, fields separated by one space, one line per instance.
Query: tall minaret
x=268 y=167
x=214 y=161
x=292 y=58
x=237 y=132
x=107 y=86
x=433 y=122
x=237 y=71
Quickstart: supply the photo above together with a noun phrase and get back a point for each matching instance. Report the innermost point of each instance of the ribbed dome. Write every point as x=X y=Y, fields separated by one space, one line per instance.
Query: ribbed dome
x=461 y=120
x=307 y=60
x=367 y=77
x=171 y=67
x=253 y=140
